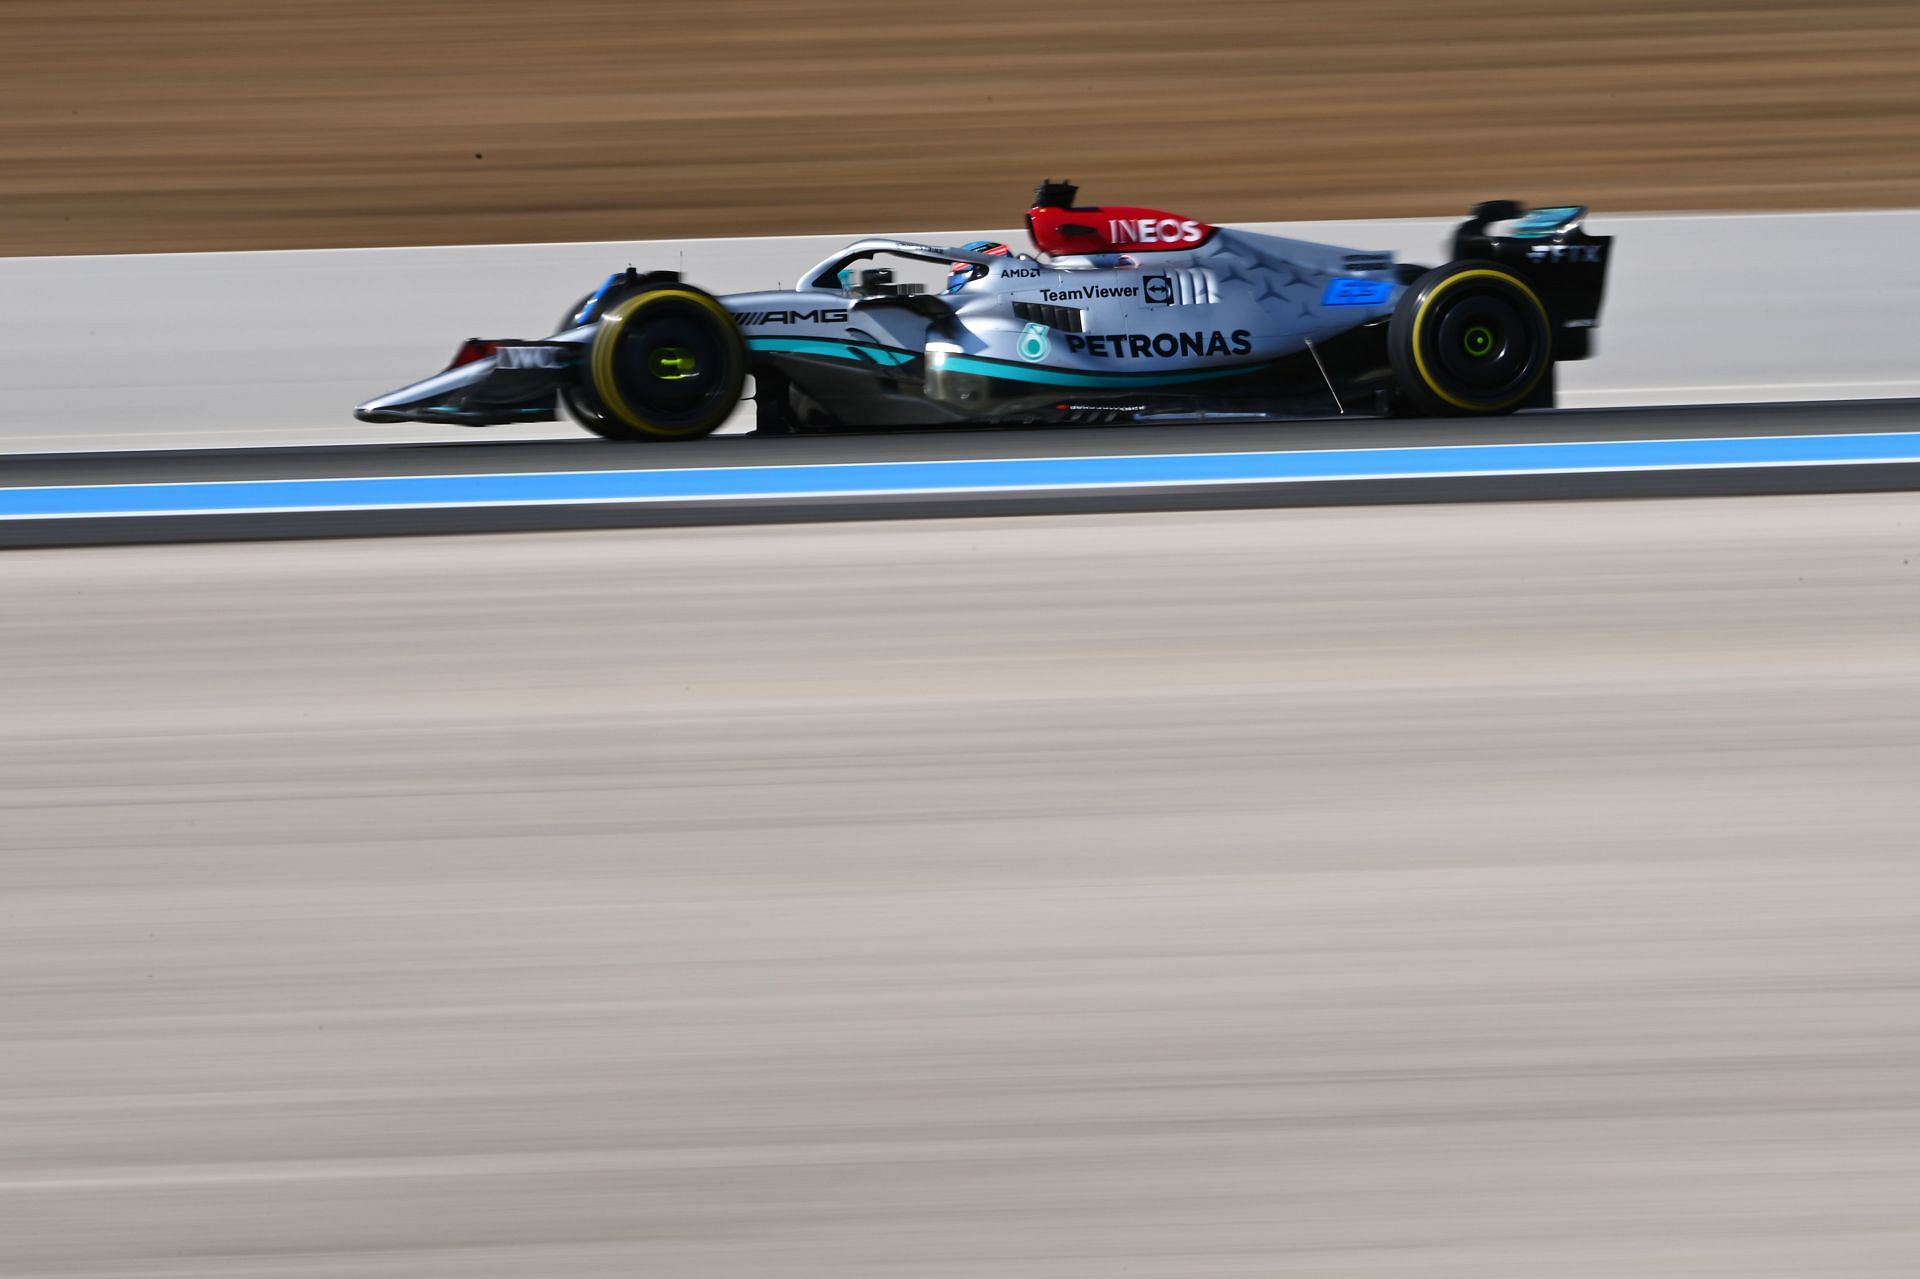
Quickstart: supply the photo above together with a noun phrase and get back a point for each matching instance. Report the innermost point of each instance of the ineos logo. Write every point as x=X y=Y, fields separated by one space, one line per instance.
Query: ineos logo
x=1154 y=231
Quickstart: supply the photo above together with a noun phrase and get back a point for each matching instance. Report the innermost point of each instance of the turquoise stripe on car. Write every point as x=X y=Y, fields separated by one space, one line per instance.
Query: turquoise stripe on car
x=859 y=351
x=1049 y=376
x=1042 y=374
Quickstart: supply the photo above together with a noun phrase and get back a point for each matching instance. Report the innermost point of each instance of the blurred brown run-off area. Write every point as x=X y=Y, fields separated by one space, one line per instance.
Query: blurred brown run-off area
x=229 y=124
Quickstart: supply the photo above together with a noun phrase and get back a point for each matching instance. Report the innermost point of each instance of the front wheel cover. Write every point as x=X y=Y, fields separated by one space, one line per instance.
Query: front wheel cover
x=1470 y=337
x=664 y=364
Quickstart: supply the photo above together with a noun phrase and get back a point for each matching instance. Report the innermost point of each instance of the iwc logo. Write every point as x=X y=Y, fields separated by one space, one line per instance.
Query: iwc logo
x=1034 y=343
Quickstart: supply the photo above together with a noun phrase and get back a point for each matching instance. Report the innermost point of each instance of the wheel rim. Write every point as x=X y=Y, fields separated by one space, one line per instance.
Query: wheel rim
x=673 y=363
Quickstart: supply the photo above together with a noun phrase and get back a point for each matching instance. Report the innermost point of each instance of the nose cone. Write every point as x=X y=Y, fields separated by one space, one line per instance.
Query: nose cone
x=438 y=398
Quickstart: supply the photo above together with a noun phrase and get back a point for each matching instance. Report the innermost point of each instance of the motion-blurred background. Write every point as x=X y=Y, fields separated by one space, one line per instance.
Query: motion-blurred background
x=132 y=125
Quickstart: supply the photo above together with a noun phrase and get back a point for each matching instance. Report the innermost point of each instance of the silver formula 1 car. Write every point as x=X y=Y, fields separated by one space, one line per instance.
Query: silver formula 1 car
x=1128 y=314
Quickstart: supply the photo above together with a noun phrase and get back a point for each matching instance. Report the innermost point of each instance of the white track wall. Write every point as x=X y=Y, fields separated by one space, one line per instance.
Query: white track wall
x=237 y=349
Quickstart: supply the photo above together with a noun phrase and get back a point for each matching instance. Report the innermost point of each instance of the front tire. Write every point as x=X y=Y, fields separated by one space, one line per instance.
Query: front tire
x=666 y=363
x=1469 y=338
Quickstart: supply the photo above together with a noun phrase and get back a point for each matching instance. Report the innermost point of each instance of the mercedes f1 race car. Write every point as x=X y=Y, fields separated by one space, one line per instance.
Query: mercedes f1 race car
x=1126 y=315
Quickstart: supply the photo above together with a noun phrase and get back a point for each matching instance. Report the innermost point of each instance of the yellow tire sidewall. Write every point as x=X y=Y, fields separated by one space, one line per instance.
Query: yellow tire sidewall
x=1419 y=355
x=606 y=339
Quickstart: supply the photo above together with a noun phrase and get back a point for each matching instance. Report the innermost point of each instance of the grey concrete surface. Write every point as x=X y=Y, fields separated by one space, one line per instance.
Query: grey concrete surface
x=243 y=349
x=1854 y=419
x=478 y=456
x=1452 y=891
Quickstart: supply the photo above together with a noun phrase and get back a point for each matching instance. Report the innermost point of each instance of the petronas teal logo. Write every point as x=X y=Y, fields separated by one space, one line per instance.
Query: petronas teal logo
x=1034 y=343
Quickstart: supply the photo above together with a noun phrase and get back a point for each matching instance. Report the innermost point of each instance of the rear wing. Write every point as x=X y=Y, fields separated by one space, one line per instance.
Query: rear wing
x=1553 y=252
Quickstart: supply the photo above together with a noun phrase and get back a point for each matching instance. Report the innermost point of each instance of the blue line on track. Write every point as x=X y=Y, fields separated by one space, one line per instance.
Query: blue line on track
x=880 y=479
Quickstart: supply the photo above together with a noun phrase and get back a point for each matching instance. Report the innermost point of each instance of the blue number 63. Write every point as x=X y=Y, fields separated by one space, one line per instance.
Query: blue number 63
x=1356 y=293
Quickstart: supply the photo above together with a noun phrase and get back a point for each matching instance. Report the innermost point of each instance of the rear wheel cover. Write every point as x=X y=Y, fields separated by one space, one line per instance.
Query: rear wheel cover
x=666 y=364
x=1471 y=338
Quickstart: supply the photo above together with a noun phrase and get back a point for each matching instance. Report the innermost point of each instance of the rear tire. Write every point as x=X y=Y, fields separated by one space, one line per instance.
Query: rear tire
x=1469 y=338
x=666 y=363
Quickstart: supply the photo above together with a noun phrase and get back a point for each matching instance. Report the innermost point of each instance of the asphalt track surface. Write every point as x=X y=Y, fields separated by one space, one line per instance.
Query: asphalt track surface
x=743 y=455
x=1452 y=891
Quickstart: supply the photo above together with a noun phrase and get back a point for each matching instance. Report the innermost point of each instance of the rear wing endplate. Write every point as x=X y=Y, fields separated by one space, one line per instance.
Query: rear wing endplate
x=1551 y=249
